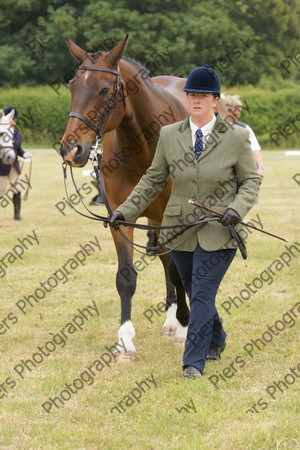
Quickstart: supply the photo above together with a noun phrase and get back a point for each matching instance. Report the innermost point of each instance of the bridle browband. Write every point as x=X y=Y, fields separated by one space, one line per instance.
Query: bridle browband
x=99 y=128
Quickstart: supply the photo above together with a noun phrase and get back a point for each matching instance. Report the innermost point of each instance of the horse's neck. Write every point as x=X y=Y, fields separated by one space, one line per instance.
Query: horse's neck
x=142 y=97
x=148 y=108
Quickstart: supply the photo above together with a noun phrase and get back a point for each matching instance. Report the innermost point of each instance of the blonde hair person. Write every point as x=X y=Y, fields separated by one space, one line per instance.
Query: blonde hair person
x=234 y=106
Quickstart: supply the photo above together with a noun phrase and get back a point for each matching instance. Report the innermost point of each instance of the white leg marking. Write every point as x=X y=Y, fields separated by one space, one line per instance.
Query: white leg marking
x=180 y=331
x=171 y=320
x=125 y=334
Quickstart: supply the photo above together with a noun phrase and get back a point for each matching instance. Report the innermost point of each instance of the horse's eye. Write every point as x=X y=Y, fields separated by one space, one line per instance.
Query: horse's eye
x=104 y=91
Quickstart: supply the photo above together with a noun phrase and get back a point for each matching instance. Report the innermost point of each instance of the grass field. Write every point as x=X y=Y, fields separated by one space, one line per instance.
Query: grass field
x=218 y=414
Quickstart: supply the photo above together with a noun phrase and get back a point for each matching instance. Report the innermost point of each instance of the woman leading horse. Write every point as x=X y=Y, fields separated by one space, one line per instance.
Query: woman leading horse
x=214 y=153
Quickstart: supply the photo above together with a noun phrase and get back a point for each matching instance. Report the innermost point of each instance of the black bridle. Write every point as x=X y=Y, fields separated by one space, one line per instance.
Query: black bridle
x=99 y=128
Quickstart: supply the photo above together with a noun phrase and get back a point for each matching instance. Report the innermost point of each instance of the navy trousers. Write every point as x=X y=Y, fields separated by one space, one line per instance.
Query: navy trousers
x=201 y=273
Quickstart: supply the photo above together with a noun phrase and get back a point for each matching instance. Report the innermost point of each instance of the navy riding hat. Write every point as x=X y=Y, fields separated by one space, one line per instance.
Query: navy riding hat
x=203 y=79
x=9 y=109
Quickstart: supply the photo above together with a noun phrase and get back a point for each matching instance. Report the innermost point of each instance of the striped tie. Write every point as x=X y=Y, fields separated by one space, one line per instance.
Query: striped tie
x=198 y=144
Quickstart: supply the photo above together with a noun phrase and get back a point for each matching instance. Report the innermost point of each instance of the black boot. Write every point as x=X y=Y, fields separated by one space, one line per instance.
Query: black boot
x=17 y=205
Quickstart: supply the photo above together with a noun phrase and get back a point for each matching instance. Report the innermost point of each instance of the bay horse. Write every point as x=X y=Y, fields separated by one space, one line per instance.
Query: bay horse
x=113 y=95
x=7 y=152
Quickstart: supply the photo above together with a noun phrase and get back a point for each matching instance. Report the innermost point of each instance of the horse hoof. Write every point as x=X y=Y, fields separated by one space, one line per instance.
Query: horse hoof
x=179 y=341
x=169 y=331
x=125 y=356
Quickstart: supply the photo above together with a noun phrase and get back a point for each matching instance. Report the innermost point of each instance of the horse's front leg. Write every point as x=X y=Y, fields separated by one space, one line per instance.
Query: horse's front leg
x=126 y=285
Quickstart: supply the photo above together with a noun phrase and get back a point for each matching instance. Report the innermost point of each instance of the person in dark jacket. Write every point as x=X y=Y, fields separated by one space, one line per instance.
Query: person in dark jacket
x=12 y=172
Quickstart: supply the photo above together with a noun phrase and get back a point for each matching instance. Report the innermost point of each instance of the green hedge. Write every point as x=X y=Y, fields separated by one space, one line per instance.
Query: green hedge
x=273 y=116
x=44 y=112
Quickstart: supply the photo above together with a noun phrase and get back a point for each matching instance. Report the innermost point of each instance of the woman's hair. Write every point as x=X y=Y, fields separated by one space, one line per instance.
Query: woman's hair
x=232 y=100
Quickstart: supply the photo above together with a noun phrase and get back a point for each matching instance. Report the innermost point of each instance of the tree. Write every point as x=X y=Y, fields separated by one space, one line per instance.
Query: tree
x=244 y=40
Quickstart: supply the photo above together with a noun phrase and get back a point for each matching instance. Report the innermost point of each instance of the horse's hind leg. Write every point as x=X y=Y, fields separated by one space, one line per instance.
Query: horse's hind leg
x=126 y=285
x=170 y=324
x=176 y=307
x=183 y=312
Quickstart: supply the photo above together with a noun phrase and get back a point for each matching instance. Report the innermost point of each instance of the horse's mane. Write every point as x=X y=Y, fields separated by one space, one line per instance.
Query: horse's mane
x=131 y=61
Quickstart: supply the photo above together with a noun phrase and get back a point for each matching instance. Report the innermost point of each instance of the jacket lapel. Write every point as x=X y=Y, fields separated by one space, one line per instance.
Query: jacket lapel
x=215 y=137
x=184 y=136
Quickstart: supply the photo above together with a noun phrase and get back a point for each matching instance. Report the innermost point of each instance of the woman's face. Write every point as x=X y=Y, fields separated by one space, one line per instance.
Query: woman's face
x=234 y=113
x=201 y=106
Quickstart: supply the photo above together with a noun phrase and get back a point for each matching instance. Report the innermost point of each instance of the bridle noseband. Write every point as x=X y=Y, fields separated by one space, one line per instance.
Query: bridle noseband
x=99 y=128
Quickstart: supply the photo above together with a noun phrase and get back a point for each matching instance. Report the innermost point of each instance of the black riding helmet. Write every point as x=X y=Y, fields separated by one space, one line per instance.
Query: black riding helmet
x=9 y=109
x=203 y=79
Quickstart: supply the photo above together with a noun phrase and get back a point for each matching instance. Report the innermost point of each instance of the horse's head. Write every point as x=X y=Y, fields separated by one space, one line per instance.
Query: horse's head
x=97 y=101
x=7 y=152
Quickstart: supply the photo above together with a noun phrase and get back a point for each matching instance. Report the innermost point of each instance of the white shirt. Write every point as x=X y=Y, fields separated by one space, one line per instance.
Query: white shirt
x=253 y=141
x=206 y=130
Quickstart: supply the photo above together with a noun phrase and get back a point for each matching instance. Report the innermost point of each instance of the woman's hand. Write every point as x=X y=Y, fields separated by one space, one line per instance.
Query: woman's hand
x=231 y=217
x=114 y=219
x=261 y=172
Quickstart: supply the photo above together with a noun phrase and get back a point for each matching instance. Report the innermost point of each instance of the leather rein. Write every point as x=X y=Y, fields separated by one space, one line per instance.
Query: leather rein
x=150 y=250
x=96 y=158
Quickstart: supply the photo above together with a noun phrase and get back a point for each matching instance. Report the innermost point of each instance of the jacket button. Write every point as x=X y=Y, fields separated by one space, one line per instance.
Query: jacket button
x=194 y=181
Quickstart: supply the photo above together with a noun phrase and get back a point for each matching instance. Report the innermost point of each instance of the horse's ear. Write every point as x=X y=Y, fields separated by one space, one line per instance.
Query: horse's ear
x=11 y=115
x=75 y=51
x=116 y=53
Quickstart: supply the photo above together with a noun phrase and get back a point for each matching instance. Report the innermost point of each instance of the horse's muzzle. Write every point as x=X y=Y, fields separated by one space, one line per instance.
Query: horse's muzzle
x=8 y=156
x=75 y=155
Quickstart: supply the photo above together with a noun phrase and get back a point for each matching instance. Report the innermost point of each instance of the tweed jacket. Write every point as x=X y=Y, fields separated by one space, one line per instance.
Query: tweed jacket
x=225 y=176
